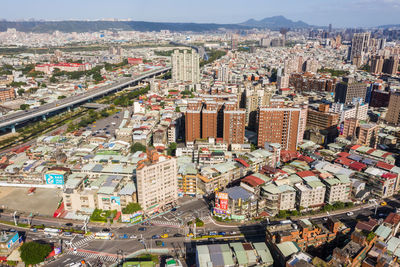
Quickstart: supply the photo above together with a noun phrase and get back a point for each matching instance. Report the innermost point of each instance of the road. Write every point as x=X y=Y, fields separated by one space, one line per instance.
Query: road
x=105 y=251
x=21 y=116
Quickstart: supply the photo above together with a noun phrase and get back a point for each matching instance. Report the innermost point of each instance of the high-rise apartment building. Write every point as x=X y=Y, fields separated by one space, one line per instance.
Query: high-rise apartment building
x=348 y=90
x=215 y=118
x=279 y=124
x=391 y=65
x=321 y=119
x=234 y=125
x=393 y=113
x=186 y=66
x=359 y=46
x=368 y=135
x=293 y=64
x=350 y=127
x=377 y=64
x=254 y=98
x=193 y=121
x=157 y=181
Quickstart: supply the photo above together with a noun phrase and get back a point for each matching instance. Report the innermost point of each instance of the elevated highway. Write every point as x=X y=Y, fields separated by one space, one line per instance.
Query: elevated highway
x=20 y=117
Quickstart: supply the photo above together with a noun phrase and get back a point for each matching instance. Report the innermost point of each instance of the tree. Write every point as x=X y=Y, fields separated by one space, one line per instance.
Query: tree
x=171 y=149
x=20 y=91
x=61 y=97
x=177 y=109
x=34 y=253
x=24 y=107
x=131 y=208
x=138 y=147
x=53 y=79
x=42 y=102
x=199 y=223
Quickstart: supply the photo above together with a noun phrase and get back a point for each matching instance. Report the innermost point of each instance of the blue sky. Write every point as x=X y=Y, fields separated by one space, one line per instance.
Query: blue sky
x=317 y=12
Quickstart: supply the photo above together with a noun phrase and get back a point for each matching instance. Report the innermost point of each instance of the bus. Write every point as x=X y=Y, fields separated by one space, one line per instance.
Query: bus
x=52 y=231
x=103 y=235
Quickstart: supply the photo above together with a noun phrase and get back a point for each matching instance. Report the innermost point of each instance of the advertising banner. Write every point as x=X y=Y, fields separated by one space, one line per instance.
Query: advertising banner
x=57 y=179
x=116 y=200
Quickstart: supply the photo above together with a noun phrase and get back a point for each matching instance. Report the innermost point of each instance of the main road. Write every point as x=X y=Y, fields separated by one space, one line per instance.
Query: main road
x=22 y=116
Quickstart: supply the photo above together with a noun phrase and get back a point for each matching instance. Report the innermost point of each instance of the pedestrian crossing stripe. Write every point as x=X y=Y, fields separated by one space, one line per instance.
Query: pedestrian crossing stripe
x=91 y=255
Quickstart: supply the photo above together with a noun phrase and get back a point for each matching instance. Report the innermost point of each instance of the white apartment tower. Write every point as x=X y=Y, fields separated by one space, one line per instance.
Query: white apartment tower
x=157 y=181
x=186 y=66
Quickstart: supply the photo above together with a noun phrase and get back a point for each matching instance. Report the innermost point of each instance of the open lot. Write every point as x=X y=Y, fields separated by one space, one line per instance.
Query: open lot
x=44 y=201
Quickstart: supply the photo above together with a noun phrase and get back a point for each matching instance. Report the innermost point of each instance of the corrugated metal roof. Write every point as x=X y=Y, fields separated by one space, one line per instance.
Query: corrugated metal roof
x=264 y=253
x=288 y=248
x=383 y=231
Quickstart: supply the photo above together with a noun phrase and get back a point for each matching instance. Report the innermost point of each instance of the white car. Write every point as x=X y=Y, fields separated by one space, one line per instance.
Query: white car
x=133 y=237
x=350 y=213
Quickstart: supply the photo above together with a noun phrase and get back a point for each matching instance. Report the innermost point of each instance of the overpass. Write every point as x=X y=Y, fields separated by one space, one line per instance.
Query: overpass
x=12 y=120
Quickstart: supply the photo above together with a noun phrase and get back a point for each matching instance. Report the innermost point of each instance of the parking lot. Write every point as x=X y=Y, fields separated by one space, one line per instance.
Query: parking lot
x=44 y=201
x=106 y=126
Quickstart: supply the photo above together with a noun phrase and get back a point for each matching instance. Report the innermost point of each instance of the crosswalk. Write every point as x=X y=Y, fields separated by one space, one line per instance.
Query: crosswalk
x=83 y=241
x=87 y=255
x=157 y=222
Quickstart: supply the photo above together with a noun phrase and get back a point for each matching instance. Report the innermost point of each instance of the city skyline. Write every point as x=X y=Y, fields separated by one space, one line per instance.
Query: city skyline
x=314 y=12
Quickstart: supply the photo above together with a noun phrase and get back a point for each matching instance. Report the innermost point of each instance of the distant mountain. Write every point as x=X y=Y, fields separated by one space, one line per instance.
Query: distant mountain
x=275 y=22
x=95 y=26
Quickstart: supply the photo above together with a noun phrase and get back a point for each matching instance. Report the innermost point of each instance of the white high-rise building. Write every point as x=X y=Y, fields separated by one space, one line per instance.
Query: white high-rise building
x=186 y=66
x=359 y=46
x=157 y=181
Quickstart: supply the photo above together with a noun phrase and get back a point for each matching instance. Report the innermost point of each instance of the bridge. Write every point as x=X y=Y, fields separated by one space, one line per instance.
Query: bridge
x=20 y=117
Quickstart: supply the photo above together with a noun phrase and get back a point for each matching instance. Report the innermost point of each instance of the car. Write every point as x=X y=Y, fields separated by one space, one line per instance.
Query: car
x=75 y=251
x=233 y=233
x=173 y=209
x=382 y=215
x=155 y=237
x=124 y=236
x=133 y=237
x=383 y=203
x=107 y=132
x=190 y=235
x=212 y=233
x=349 y=213
x=33 y=230
x=166 y=230
x=221 y=233
x=212 y=239
x=69 y=224
x=164 y=236
x=67 y=234
x=178 y=235
x=325 y=218
x=105 y=230
x=142 y=229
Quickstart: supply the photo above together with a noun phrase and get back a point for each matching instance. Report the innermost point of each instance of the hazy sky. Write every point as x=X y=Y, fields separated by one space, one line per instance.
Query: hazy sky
x=317 y=12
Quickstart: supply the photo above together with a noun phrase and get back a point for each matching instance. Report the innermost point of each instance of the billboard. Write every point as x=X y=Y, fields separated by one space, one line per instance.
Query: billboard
x=115 y=200
x=132 y=218
x=13 y=240
x=218 y=211
x=57 y=179
x=221 y=201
